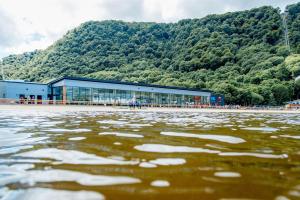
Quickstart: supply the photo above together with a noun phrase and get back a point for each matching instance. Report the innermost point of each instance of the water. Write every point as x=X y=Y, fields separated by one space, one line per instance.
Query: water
x=149 y=155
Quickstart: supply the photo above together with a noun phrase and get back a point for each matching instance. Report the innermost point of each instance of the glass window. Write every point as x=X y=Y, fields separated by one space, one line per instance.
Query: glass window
x=75 y=94
x=88 y=94
x=58 y=93
x=95 y=95
x=69 y=94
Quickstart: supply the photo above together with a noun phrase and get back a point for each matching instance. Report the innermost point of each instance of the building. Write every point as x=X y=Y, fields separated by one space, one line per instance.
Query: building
x=29 y=92
x=70 y=90
x=293 y=104
x=217 y=100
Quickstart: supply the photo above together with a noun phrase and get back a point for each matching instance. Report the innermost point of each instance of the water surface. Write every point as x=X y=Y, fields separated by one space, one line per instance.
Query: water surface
x=149 y=155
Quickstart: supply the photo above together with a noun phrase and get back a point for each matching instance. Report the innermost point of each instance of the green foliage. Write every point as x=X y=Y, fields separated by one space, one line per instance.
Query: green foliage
x=293 y=64
x=294 y=26
x=241 y=55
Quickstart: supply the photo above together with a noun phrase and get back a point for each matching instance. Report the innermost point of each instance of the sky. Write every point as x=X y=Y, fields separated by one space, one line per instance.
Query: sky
x=26 y=25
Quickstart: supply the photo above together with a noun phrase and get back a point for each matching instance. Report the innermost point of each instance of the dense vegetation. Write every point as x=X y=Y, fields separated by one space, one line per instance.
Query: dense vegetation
x=294 y=26
x=240 y=54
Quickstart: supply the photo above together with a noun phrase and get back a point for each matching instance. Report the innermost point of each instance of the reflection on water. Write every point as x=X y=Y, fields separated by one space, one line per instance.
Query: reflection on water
x=221 y=138
x=227 y=174
x=264 y=129
x=160 y=183
x=122 y=134
x=73 y=157
x=140 y=155
x=43 y=193
x=161 y=148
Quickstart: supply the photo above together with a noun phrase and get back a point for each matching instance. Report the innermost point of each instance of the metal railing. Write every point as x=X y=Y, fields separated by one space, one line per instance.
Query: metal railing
x=116 y=103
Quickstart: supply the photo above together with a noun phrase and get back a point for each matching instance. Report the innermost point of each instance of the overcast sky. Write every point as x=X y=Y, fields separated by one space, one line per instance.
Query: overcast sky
x=26 y=25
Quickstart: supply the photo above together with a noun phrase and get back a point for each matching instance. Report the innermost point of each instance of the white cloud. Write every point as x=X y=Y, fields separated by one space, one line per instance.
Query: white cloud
x=35 y=24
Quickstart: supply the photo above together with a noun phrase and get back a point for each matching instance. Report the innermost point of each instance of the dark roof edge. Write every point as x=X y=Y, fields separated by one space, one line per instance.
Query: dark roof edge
x=125 y=83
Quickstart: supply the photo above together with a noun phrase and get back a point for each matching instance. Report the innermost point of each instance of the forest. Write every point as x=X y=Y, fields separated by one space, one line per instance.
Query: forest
x=240 y=54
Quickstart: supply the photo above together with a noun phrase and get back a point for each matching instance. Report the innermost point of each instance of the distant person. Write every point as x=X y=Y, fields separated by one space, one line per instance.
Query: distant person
x=133 y=102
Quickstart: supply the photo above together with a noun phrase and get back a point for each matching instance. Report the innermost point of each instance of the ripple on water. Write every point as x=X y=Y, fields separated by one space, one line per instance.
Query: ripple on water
x=220 y=138
x=50 y=123
x=9 y=150
x=79 y=130
x=291 y=136
x=73 y=157
x=258 y=155
x=113 y=122
x=13 y=173
x=147 y=165
x=122 y=134
x=138 y=125
x=168 y=161
x=161 y=148
x=25 y=165
x=47 y=176
x=44 y=193
x=162 y=162
x=9 y=139
x=17 y=173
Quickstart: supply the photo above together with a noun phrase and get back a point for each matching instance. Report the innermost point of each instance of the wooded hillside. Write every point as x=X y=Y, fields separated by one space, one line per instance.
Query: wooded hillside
x=240 y=54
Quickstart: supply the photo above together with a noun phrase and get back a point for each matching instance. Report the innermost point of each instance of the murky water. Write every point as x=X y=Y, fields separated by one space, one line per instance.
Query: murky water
x=144 y=155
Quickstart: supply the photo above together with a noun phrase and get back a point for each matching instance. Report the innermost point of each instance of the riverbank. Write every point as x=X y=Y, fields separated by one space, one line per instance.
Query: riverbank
x=77 y=108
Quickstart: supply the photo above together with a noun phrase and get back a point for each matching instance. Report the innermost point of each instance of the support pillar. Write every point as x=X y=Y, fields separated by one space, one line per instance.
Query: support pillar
x=64 y=100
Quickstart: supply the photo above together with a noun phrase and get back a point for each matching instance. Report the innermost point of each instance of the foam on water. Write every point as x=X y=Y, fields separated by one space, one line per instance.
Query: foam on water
x=220 y=138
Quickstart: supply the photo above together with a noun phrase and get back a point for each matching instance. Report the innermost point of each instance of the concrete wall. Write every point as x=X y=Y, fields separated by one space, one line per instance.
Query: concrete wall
x=78 y=83
x=12 y=90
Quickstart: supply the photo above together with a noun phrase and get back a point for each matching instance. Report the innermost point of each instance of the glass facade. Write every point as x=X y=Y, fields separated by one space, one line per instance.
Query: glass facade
x=83 y=95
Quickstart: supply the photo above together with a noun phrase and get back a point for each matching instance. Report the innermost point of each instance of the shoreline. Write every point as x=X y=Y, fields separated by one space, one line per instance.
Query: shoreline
x=82 y=108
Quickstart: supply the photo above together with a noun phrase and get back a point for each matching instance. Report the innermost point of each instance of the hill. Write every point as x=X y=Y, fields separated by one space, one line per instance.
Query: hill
x=240 y=54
